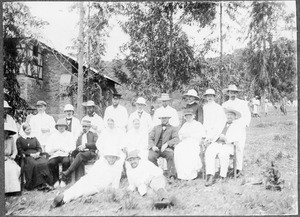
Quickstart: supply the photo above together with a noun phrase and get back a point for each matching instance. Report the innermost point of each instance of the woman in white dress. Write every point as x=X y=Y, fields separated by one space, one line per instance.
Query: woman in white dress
x=186 y=153
x=111 y=137
x=12 y=170
x=137 y=139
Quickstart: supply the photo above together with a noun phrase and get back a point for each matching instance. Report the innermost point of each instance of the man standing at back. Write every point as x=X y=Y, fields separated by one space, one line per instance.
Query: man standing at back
x=144 y=117
x=192 y=98
x=242 y=107
x=97 y=124
x=117 y=112
x=42 y=124
x=74 y=125
x=165 y=108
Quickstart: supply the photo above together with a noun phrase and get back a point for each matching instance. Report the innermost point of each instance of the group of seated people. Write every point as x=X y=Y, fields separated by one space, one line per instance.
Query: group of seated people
x=137 y=141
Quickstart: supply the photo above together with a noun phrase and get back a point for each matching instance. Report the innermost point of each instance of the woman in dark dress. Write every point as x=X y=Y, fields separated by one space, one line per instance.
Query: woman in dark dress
x=37 y=173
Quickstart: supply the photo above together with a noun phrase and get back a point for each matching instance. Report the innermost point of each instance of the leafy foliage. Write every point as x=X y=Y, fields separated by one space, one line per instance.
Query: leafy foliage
x=19 y=30
x=160 y=58
x=271 y=63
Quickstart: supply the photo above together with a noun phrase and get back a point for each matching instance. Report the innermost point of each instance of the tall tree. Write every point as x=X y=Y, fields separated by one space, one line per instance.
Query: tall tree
x=263 y=31
x=160 y=58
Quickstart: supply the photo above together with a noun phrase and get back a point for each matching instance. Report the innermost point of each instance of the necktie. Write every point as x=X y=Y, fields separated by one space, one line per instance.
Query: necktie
x=140 y=113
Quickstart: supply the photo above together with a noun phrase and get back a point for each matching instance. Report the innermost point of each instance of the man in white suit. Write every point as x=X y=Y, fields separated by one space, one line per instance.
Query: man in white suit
x=242 y=107
x=223 y=147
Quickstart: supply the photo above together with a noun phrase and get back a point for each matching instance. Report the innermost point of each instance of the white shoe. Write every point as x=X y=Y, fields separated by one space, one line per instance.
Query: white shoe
x=56 y=184
x=62 y=184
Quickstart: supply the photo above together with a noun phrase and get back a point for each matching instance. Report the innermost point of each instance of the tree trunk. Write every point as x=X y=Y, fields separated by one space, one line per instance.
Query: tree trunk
x=221 y=48
x=80 y=63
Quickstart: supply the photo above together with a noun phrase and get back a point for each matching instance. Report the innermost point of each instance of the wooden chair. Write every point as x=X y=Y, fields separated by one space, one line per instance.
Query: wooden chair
x=232 y=157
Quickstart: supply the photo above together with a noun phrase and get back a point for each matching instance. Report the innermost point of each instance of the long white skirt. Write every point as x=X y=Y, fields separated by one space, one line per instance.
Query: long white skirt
x=12 y=174
x=187 y=159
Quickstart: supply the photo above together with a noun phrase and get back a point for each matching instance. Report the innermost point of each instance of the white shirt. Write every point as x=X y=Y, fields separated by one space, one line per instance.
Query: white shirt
x=76 y=127
x=242 y=107
x=234 y=133
x=110 y=138
x=145 y=120
x=136 y=139
x=214 y=119
x=141 y=176
x=97 y=122
x=103 y=175
x=118 y=114
x=194 y=130
x=39 y=121
x=174 y=120
x=63 y=141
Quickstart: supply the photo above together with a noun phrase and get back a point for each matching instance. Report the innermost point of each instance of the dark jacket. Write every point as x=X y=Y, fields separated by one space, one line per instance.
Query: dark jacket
x=198 y=111
x=170 y=136
x=91 y=141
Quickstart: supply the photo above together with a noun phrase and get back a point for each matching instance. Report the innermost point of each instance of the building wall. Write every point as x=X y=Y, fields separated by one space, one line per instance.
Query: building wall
x=57 y=74
x=49 y=87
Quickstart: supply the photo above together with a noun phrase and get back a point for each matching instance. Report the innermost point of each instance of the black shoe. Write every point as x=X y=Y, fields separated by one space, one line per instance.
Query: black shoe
x=164 y=203
x=58 y=201
x=210 y=180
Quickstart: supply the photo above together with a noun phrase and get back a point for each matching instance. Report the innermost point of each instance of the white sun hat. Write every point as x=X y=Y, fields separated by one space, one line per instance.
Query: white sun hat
x=209 y=92
x=89 y=103
x=68 y=107
x=231 y=87
x=193 y=93
x=141 y=100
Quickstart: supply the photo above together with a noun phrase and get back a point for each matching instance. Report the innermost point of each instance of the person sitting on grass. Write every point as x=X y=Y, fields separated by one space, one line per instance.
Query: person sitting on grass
x=142 y=174
x=223 y=147
x=105 y=174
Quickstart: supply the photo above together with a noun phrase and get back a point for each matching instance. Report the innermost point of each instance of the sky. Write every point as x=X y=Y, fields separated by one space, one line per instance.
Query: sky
x=63 y=27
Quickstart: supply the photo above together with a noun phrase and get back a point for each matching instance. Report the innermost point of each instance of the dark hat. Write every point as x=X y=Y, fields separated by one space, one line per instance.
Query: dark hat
x=61 y=122
x=117 y=95
x=41 y=102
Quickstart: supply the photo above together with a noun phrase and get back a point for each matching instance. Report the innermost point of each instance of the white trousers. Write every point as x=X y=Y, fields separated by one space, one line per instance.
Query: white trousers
x=240 y=150
x=223 y=151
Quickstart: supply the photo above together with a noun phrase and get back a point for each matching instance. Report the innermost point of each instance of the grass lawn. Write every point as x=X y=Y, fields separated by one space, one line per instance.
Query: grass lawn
x=271 y=138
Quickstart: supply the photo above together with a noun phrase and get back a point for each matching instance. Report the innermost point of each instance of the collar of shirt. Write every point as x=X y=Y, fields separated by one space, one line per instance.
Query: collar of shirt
x=191 y=103
x=92 y=114
x=68 y=119
x=27 y=136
